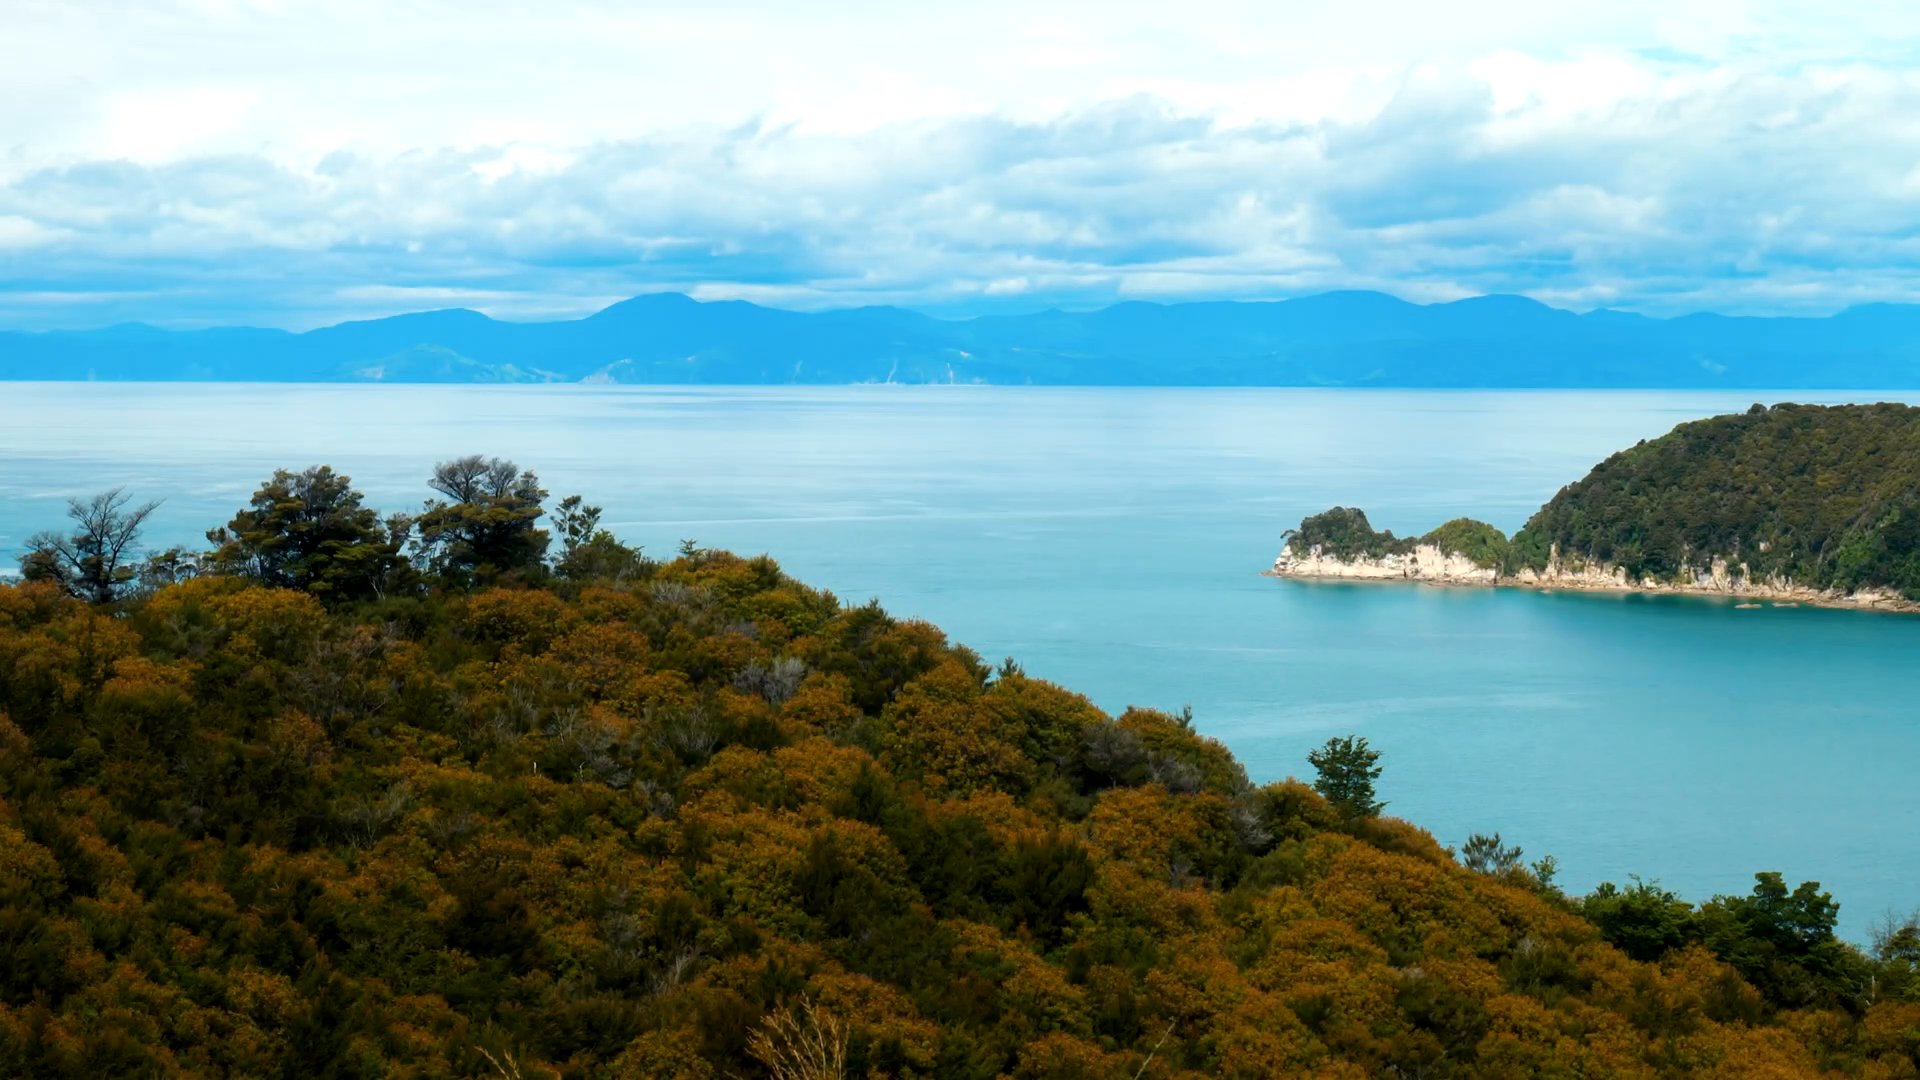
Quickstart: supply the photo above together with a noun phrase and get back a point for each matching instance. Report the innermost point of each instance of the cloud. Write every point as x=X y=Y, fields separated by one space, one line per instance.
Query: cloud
x=319 y=162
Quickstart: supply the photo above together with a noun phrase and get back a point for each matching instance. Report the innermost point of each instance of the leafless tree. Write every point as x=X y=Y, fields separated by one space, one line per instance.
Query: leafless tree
x=96 y=561
x=776 y=681
x=471 y=478
x=804 y=1044
x=486 y=526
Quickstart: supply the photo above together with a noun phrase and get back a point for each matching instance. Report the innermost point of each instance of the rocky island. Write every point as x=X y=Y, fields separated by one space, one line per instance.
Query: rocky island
x=1787 y=504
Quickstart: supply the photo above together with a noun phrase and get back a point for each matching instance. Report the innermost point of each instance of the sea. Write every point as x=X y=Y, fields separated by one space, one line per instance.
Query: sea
x=1112 y=540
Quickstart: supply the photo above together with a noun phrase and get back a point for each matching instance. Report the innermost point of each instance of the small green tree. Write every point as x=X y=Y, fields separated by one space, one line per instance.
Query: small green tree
x=95 y=561
x=1783 y=943
x=589 y=552
x=1642 y=920
x=1896 y=949
x=170 y=567
x=1485 y=854
x=1545 y=869
x=576 y=524
x=1347 y=767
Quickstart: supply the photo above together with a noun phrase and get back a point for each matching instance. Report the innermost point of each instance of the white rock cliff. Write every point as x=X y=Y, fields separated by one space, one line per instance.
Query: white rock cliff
x=1427 y=563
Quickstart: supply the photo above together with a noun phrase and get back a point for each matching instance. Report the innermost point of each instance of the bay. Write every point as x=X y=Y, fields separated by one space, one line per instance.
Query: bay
x=1112 y=540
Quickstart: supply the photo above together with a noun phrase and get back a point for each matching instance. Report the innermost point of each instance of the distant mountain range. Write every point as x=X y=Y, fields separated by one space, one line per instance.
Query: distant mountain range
x=1335 y=339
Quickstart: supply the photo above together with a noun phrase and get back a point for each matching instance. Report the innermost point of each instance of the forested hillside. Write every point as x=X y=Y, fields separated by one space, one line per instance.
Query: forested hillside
x=482 y=792
x=1822 y=495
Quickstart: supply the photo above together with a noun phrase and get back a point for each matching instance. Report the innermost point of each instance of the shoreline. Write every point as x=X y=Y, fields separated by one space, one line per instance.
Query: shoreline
x=1743 y=596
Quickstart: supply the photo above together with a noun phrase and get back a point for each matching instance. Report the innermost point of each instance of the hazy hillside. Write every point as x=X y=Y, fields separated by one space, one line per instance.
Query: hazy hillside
x=1336 y=339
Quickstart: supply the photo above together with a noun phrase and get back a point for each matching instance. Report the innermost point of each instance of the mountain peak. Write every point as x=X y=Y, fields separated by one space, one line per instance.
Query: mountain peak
x=1512 y=303
x=646 y=304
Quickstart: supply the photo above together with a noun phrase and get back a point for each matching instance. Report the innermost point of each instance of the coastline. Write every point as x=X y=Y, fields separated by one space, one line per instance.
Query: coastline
x=1427 y=565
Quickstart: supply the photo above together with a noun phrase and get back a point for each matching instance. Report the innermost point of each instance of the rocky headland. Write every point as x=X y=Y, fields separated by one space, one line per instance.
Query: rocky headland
x=1789 y=504
x=1429 y=564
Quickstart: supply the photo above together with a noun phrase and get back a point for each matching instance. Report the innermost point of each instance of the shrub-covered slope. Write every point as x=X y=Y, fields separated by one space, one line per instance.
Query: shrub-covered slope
x=692 y=824
x=454 y=795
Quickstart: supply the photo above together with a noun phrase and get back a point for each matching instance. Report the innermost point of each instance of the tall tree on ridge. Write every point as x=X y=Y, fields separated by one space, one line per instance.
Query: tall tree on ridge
x=1347 y=768
x=309 y=530
x=485 y=526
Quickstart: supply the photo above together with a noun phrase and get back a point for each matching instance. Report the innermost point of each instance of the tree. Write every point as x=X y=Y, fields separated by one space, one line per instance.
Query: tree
x=576 y=523
x=1896 y=946
x=587 y=551
x=1783 y=943
x=807 y=1045
x=485 y=526
x=95 y=562
x=1484 y=854
x=309 y=530
x=170 y=567
x=1642 y=920
x=1347 y=768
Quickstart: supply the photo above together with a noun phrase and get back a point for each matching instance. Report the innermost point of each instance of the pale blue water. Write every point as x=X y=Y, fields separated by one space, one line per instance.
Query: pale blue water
x=1112 y=540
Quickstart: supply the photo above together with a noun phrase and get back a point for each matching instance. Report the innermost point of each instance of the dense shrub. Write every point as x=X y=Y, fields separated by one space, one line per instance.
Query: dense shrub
x=618 y=818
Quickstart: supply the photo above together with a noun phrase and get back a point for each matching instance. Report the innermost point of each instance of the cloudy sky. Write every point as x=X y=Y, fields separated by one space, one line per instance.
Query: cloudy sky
x=292 y=163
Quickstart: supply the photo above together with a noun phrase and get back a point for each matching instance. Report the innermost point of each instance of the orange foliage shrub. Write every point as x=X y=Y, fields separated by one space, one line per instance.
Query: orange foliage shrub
x=640 y=831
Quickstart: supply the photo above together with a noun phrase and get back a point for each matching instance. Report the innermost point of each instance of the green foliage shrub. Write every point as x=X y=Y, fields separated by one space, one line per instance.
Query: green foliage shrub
x=1781 y=942
x=1642 y=920
x=1477 y=540
x=1343 y=532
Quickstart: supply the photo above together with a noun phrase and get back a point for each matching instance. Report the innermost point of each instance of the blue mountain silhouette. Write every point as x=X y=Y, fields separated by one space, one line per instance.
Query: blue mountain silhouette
x=1333 y=339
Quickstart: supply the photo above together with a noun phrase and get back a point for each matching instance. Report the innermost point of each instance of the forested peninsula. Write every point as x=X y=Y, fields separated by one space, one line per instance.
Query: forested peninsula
x=1789 y=503
x=481 y=790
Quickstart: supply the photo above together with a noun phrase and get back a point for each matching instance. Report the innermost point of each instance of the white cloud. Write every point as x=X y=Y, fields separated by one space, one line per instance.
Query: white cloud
x=19 y=233
x=294 y=161
x=308 y=76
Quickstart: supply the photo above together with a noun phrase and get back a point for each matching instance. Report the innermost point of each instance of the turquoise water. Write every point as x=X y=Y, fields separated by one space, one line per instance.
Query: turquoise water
x=1112 y=540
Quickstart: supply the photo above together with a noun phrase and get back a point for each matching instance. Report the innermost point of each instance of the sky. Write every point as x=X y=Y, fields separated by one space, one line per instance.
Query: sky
x=294 y=163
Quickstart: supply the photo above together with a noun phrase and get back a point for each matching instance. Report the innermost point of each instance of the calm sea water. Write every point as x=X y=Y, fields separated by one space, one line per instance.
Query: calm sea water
x=1112 y=540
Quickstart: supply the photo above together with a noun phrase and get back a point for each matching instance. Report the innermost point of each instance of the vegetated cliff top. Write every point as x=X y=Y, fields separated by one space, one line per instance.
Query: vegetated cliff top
x=1826 y=496
x=1343 y=532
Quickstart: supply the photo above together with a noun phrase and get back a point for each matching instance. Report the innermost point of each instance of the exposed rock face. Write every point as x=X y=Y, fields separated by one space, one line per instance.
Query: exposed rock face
x=1427 y=563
